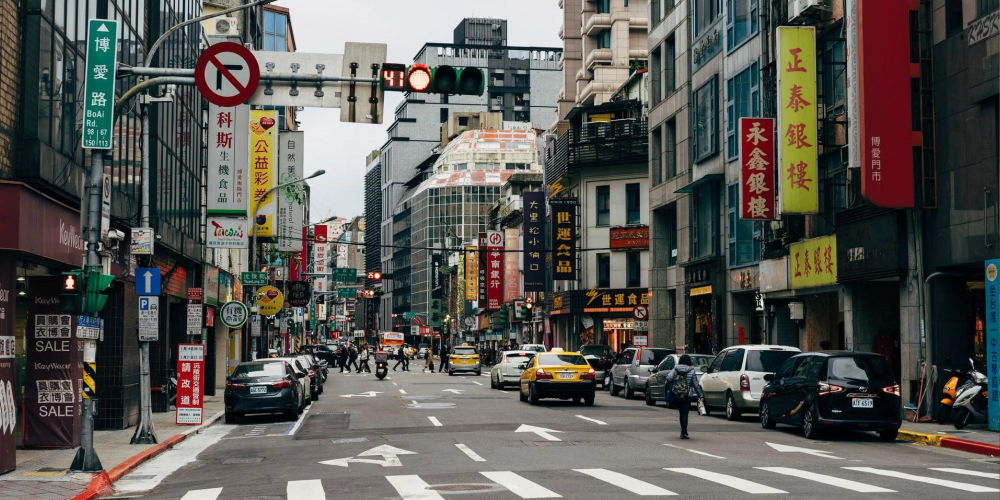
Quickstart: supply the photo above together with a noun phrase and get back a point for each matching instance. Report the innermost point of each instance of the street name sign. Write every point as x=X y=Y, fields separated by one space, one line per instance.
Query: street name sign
x=255 y=278
x=226 y=74
x=149 y=319
x=347 y=293
x=99 y=86
x=344 y=274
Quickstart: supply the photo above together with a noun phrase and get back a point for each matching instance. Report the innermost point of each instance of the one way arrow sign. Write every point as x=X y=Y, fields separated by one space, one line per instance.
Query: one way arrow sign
x=147 y=281
x=388 y=453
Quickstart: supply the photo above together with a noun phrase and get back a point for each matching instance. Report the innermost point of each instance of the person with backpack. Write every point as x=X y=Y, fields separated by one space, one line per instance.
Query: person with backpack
x=684 y=387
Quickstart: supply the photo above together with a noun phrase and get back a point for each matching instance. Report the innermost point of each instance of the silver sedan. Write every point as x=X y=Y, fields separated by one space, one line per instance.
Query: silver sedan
x=507 y=370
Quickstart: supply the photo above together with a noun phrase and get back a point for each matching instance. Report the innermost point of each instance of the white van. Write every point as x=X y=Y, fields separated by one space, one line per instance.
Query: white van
x=735 y=378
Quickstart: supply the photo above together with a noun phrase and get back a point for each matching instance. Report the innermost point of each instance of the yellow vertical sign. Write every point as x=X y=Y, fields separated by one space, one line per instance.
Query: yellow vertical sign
x=797 y=151
x=471 y=272
x=263 y=169
x=813 y=262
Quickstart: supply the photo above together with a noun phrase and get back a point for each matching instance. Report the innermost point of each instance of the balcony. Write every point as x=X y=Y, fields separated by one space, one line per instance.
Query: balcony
x=597 y=144
x=594 y=23
x=597 y=56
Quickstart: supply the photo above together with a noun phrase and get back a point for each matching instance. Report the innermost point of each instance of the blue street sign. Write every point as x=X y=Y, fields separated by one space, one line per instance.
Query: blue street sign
x=993 y=342
x=147 y=281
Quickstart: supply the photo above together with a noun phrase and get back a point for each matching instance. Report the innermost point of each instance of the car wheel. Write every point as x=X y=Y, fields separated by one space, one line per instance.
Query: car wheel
x=614 y=388
x=589 y=399
x=629 y=392
x=532 y=395
x=765 y=417
x=451 y=373
x=520 y=394
x=230 y=418
x=493 y=383
x=888 y=436
x=649 y=397
x=576 y=400
x=732 y=411
x=315 y=396
x=810 y=426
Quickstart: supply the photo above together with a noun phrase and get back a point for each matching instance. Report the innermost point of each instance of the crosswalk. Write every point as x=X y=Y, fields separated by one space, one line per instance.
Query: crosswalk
x=528 y=485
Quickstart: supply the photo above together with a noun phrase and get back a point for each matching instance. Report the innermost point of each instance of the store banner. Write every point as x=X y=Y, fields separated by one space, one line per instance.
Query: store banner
x=813 y=262
x=511 y=274
x=879 y=111
x=435 y=313
x=320 y=257
x=54 y=369
x=993 y=342
x=190 y=384
x=797 y=151
x=291 y=199
x=263 y=169
x=563 y=238
x=494 y=267
x=757 y=188
x=227 y=232
x=534 y=241
x=227 y=161
x=471 y=272
x=482 y=270
x=8 y=405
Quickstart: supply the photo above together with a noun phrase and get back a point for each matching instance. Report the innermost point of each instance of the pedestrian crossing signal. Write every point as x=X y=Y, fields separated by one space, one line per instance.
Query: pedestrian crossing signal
x=70 y=298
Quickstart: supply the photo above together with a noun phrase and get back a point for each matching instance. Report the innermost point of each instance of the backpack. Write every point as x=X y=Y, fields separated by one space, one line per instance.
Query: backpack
x=679 y=388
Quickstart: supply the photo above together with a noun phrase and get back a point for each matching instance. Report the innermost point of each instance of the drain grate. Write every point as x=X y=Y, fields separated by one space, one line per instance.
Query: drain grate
x=462 y=487
x=140 y=477
x=349 y=440
x=242 y=460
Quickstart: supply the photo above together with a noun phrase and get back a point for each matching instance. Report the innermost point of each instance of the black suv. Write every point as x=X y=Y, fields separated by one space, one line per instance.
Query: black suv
x=833 y=390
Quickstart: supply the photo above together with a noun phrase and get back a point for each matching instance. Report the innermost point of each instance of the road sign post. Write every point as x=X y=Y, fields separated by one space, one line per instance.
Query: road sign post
x=99 y=87
x=226 y=74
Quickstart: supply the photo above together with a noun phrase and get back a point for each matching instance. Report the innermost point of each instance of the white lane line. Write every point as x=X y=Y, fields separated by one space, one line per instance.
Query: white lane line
x=413 y=488
x=209 y=494
x=727 y=480
x=298 y=423
x=519 y=485
x=402 y=391
x=311 y=489
x=172 y=460
x=477 y=383
x=394 y=383
x=471 y=454
x=828 y=480
x=694 y=451
x=620 y=480
x=966 y=472
x=434 y=421
x=594 y=420
x=929 y=480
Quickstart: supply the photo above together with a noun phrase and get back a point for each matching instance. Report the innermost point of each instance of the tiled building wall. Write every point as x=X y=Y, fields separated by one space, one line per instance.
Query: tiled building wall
x=10 y=93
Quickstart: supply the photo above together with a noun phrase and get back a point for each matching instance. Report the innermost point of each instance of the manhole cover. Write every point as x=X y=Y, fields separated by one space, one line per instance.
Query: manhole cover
x=140 y=477
x=461 y=487
x=242 y=460
x=349 y=440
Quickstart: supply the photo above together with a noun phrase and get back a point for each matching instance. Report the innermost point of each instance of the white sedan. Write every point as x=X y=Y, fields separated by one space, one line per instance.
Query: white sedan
x=507 y=370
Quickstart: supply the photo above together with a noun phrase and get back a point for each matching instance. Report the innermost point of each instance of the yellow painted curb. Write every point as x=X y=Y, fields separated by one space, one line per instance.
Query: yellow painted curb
x=921 y=437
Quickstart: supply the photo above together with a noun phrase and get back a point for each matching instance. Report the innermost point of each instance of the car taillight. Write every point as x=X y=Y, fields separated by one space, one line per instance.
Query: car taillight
x=233 y=385
x=540 y=374
x=590 y=375
x=475 y=358
x=744 y=382
x=282 y=383
x=892 y=389
x=825 y=388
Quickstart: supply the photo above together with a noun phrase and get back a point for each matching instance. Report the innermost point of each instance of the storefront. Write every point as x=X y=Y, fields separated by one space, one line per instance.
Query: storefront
x=596 y=316
x=746 y=306
x=702 y=307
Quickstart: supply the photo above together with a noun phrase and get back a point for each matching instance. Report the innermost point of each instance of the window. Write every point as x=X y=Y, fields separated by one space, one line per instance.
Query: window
x=669 y=58
x=655 y=11
x=717 y=362
x=604 y=39
x=603 y=270
x=768 y=361
x=671 y=236
x=703 y=222
x=632 y=204
x=742 y=99
x=444 y=114
x=275 y=25
x=706 y=117
x=656 y=156
x=953 y=16
x=741 y=22
x=734 y=361
x=705 y=14
x=743 y=235
x=634 y=265
x=604 y=6
x=670 y=155
x=655 y=75
x=984 y=7
x=603 y=205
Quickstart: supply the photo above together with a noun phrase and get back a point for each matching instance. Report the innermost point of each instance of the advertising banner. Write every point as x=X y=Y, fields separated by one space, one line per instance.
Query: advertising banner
x=511 y=276
x=494 y=267
x=471 y=272
x=8 y=406
x=993 y=342
x=757 y=169
x=482 y=270
x=563 y=238
x=813 y=262
x=797 y=152
x=629 y=238
x=435 y=313
x=320 y=258
x=226 y=232
x=534 y=241
x=290 y=198
x=227 y=161
x=54 y=369
x=190 y=382
x=263 y=169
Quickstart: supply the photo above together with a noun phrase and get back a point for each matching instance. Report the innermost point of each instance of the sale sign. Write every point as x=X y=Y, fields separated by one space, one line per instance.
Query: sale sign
x=757 y=168
x=797 y=151
x=494 y=270
x=190 y=383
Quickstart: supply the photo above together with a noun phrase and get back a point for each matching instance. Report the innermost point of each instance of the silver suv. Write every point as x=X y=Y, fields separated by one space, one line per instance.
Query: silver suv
x=631 y=369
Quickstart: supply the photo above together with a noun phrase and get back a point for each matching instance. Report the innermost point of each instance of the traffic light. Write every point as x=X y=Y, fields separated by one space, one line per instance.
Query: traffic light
x=97 y=287
x=71 y=296
x=418 y=78
x=375 y=275
x=421 y=78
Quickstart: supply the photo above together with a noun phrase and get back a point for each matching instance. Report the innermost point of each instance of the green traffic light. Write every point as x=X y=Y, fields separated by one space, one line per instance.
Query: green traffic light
x=471 y=81
x=444 y=80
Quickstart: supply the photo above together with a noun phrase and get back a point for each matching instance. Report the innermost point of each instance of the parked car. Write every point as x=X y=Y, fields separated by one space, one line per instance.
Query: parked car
x=304 y=373
x=601 y=359
x=564 y=375
x=508 y=368
x=464 y=359
x=532 y=347
x=632 y=369
x=263 y=386
x=657 y=384
x=319 y=369
x=735 y=378
x=326 y=352
x=833 y=390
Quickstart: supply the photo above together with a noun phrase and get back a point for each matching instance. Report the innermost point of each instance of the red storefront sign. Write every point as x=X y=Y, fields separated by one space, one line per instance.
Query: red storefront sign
x=425 y=330
x=757 y=168
x=190 y=383
x=494 y=270
x=880 y=124
x=511 y=274
x=33 y=223
x=629 y=238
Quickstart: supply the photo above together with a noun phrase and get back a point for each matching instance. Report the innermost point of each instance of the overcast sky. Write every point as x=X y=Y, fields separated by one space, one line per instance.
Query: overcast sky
x=404 y=25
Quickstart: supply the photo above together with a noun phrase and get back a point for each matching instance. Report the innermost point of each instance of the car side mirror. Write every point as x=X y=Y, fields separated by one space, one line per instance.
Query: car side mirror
x=704 y=369
x=652 y=369
x=769 y=377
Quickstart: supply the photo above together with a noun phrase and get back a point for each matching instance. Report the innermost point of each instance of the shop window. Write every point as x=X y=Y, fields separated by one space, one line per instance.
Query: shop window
x=633 y=262
x=742 y=100
x=603 y=205
x=744 y=236
x=603 y=270
x=703 y=222
x=706 y=119
x=741 y=22
x=633 y=203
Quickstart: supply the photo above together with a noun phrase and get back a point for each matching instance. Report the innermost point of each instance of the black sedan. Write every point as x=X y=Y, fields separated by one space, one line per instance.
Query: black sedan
x=833 y=390
x=264 y=386
x=600 y=358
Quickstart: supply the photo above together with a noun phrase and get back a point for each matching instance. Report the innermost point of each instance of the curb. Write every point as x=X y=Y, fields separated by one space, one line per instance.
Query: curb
x=950 y=442
x=102 y=482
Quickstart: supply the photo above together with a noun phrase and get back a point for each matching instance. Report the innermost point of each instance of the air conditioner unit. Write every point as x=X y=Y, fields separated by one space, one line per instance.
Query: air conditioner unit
x=227 y=26
x=800 y=10
x=493 y=82
x=499 y=100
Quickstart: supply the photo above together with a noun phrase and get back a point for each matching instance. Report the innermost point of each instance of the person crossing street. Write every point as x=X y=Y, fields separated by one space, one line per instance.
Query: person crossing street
x=344 y=354
x=363 y=356
x=684 y=386
x=444 y=358
x=353 y=358
x=401 y=360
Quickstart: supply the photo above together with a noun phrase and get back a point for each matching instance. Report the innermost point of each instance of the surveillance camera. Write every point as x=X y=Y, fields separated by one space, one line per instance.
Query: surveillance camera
x=115 y=235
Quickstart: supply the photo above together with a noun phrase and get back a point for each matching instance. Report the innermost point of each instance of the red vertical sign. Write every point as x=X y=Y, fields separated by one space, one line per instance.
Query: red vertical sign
x=757 y=168
x=494 y=270
x=190 y=383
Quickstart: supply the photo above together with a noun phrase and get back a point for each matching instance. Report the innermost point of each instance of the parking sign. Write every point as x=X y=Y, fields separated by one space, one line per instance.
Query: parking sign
x=149 y=319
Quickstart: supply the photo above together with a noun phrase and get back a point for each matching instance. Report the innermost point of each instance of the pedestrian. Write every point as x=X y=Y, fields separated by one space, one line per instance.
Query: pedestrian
x=344 y=354
x=429 y=362
x=444 y=357
x=400 y=359
x=684 y=386
x=364 y=360
x=353 y=360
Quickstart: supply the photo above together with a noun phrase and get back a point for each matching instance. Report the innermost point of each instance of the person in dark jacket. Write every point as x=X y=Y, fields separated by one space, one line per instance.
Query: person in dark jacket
x=444 y=357
x=684 y=371
x=353 y=361
x=400 y=359
x=344 y=354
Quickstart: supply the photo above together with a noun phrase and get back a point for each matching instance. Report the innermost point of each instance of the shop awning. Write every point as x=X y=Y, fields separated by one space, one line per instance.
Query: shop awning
x=704 y=180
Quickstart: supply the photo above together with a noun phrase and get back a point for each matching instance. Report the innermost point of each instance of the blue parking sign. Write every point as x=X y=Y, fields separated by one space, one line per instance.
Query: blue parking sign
x=147 y=281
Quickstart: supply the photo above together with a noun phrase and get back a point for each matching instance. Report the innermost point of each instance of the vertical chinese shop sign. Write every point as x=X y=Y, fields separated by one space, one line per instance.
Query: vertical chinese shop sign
x=534 y=241
x=263 y=138
x=757 y=168
x=190 y=383
x=482 y=270
x=290 y=198
x=227 y=161
x=511 y=277
x=494 y=270
x=797 y=153
x=563 y=238
x=471 y=273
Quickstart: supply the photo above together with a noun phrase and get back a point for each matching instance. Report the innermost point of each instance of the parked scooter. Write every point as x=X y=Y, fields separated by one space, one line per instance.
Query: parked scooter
x=381 y=364
x=956 y=379
x=971 y=401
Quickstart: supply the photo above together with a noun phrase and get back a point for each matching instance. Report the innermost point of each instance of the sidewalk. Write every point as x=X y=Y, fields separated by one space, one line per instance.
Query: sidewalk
x=975 y=438
x=44 y=475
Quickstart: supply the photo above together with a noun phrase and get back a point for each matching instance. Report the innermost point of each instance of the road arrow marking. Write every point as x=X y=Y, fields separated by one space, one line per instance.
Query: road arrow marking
x=541 y=431
x=369 y=394
x=784 y=448
x=388 y=453
x=454 y=391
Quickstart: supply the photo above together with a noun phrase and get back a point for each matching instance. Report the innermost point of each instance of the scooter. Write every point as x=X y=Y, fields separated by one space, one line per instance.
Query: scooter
x=970 y=403
x=381 y=364
x=956 y=379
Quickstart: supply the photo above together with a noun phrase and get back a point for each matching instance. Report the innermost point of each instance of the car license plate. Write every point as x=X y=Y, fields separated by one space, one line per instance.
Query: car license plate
x=863 y=403
x=565 y=375
x=258 y=389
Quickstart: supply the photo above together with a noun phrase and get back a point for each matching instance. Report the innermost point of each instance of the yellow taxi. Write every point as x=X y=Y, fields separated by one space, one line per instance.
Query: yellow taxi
x=464 y=359
x=562 y=375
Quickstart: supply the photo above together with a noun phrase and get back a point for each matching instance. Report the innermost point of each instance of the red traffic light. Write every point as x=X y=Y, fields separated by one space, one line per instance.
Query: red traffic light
x=418 y=78
x=374 y=275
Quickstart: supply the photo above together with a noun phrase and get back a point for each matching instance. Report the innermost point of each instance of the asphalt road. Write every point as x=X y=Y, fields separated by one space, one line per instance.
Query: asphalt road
x=431 y=436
